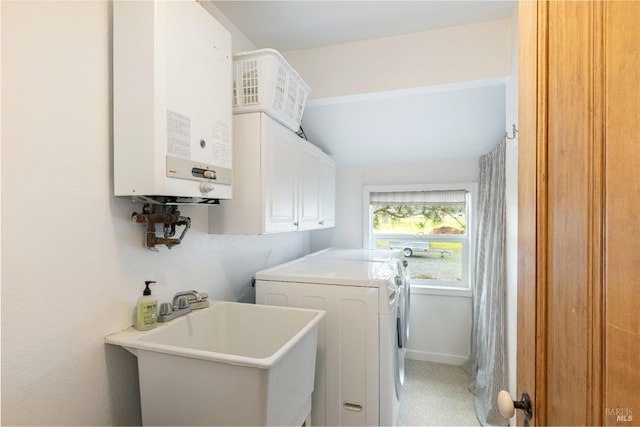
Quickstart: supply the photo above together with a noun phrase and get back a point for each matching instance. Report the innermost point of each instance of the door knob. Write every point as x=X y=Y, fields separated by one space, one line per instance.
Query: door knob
x=508 y=406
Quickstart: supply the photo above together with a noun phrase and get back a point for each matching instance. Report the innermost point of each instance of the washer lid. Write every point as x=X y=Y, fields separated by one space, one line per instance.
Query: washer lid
x=331 y=272
x=374 y=255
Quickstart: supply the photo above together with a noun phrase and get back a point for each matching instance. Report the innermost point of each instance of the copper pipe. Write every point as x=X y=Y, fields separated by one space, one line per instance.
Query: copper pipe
x=170 y=217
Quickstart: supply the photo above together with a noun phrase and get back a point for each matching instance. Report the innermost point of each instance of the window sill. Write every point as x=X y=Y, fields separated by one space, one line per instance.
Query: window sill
x=440 y=291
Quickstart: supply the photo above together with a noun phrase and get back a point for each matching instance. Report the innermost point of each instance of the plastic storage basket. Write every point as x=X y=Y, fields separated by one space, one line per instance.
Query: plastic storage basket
x=264 y=81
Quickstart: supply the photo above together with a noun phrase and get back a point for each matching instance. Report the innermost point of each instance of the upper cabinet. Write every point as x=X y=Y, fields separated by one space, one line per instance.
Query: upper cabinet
x=281 y=182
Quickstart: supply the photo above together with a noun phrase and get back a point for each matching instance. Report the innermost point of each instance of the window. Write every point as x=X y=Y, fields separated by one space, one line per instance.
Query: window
x=430 y=224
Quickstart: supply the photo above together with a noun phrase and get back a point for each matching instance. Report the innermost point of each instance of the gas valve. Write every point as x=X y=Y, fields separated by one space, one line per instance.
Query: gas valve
x=167 y=215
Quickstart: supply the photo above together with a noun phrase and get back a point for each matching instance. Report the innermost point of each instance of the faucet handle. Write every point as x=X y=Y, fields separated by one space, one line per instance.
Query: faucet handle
x=166 y=308
x=183 y=302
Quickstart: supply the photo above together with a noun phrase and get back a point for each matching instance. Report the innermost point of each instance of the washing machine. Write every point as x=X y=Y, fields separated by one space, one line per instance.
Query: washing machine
x=357 y=366
x=383 y=255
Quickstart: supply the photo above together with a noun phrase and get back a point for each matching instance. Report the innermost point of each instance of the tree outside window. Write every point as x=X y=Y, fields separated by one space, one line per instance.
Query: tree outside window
x=430 y=227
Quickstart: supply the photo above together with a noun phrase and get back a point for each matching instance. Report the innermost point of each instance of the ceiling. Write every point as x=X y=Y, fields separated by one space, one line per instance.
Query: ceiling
x=436 y=125
x=452 y=122
x=292 y=25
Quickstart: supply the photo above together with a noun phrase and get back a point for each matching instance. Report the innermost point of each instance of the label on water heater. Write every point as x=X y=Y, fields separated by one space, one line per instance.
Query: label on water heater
x=178 y=135
x=222 y=144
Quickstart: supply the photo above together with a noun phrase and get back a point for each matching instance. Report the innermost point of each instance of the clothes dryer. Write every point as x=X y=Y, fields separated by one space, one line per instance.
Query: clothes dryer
x=383 y=255
x=356 y=364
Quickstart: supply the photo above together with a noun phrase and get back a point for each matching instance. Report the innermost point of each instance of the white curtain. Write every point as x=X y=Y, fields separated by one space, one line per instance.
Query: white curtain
x=487 y=363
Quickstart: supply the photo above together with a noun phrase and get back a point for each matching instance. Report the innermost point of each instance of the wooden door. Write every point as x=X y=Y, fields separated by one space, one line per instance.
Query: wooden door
x=579 y=335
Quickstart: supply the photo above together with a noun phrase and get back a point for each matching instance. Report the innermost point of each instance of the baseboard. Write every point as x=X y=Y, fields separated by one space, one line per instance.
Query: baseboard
x=449 y=359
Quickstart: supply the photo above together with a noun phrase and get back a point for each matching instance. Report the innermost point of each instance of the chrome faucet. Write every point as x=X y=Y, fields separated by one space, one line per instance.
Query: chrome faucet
x=177 y=296
x=179 y=307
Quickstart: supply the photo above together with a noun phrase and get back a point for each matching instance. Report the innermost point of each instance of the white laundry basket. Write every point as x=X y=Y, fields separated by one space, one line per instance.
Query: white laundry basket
x=264 y=81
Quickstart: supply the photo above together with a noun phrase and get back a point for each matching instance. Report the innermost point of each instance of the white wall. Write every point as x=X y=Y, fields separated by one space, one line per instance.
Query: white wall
x=440 y=324
x=73 y=264
x=440 y=327
x=430 y=58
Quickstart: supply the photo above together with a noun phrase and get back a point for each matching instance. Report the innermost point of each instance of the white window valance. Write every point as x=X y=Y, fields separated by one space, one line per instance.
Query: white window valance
x=448 y=197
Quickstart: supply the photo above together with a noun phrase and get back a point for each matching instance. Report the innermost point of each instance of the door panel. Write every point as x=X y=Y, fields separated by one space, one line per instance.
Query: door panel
x=622 y=134
x=527 y=208
x=568 y=195
x=579 y=336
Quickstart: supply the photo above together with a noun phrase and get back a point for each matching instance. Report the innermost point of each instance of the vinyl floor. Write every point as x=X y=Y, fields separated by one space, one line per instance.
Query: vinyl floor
x=435 y=394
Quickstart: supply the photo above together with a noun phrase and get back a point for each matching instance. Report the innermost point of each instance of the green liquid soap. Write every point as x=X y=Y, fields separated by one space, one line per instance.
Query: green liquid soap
x=146 y=310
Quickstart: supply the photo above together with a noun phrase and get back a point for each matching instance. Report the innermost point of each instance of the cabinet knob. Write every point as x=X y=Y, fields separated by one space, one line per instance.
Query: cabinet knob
x=295 y=223
x=321 y=222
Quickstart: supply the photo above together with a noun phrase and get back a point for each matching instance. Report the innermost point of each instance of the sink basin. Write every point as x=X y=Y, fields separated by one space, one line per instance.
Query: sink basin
x=229 y=364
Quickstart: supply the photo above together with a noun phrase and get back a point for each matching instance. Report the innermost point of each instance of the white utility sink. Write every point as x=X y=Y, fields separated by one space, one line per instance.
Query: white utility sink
x=229 y=364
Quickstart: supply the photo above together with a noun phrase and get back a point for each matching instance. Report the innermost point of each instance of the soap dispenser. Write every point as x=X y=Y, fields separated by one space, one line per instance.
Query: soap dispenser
x=146 y=309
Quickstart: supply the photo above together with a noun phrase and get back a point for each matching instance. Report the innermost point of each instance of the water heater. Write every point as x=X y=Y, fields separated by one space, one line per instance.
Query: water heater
x=172 y=109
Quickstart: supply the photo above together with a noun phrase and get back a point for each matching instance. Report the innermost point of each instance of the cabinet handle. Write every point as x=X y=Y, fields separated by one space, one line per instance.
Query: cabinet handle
x=321 y=222
x=352 y=406
x=295 y=223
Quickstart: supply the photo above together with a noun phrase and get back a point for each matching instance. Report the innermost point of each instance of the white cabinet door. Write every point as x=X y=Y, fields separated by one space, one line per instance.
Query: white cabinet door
x=309 y=194
x=327 y=192
x=280 y=169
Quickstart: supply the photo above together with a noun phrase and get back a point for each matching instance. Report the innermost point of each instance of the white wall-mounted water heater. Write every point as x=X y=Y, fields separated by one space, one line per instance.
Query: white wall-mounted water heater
x=172 y=109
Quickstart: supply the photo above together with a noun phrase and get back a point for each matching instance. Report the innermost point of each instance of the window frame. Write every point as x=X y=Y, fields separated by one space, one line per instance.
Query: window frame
x=426 y=286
